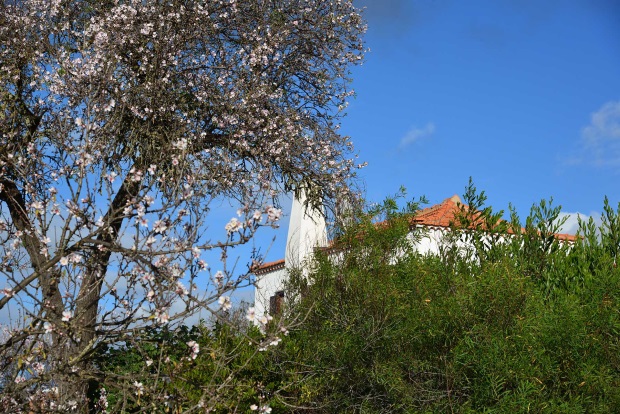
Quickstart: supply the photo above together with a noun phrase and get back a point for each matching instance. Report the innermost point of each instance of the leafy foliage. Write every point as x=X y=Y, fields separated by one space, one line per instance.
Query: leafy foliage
x=523 y=322
x=383 y=329
x=214 y=368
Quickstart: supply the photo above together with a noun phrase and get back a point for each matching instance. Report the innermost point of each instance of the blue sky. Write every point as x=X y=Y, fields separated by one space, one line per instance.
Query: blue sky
x=524 y=96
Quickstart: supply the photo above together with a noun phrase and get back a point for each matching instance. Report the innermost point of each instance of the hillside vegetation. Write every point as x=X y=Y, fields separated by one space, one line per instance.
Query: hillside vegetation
x=527 y=325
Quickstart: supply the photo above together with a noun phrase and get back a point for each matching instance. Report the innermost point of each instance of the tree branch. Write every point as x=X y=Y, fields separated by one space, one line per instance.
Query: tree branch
x=47 y=275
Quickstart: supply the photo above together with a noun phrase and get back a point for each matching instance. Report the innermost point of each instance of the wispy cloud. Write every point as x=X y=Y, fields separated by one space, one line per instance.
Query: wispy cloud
x=571 y=225
x=415 y=134
x=601 y=138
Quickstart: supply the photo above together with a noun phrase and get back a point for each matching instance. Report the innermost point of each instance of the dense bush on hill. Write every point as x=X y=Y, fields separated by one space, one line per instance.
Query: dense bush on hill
x=527 y=325
x=532 y=327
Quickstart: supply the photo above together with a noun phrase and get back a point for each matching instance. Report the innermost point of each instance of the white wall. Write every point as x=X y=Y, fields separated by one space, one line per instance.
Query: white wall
x=266 y=286
x=307 y=231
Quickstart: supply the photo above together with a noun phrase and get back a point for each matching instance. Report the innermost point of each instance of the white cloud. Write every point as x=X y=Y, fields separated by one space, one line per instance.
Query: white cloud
x=601 y=139
x=416 y=134
x=571 y=225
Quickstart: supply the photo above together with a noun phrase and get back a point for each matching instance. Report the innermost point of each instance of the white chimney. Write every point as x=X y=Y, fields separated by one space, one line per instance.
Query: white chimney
x=307 y=230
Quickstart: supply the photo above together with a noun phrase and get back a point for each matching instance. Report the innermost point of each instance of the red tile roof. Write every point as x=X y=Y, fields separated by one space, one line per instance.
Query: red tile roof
x=439 y=215
x=269 y=267
x=443 y=215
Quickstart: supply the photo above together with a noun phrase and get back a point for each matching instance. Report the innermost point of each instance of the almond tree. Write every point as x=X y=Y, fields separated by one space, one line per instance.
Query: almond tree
x=120 y=122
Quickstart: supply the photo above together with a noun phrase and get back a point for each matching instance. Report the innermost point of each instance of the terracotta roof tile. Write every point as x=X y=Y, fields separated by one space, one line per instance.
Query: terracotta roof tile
x=270 y=267
x=439 y=215
x=444 y=213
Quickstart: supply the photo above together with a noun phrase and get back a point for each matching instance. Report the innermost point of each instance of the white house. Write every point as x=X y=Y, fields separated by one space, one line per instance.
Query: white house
x=307 y=231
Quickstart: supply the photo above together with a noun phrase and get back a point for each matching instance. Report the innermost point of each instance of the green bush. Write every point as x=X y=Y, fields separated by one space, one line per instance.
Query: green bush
x=528 y=325
x=522 y=323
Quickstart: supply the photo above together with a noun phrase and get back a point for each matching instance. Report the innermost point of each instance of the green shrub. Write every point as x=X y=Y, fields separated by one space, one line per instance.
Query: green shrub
x=522 y=324
x=527 y=324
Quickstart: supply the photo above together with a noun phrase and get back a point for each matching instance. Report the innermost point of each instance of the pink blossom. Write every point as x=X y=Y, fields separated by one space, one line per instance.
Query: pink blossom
x=195 y=349
x=139 y=387
x=233 y=225
x=37 y=205
x=251 y=314
x=75 y=258
x=162 y=317
x=159 y=226
x=66 y=316
x=180 y=289
x=273 y=214
x=219 y=276
x=38 y=367
x=149 y=200
x=265 y=319
x=225 y=303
